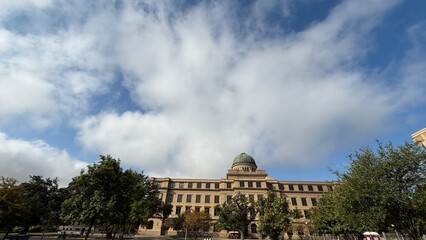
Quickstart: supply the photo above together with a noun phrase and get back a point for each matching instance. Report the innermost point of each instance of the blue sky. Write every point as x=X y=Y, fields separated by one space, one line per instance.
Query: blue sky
x=179 y=88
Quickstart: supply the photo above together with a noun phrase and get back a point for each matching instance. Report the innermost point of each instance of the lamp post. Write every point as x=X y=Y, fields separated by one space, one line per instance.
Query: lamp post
x=307 y=229
x=396 y=232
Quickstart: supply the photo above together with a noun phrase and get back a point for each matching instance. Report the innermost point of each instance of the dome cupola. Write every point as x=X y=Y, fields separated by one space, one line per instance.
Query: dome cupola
x=244 y=162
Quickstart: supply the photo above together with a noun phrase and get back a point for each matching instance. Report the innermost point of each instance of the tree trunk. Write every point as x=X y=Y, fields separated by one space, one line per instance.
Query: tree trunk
x=122 y=233
x=89 y=230
x=6 y=233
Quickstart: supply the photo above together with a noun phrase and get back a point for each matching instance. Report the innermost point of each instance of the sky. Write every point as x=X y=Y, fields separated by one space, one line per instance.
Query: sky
x=179 y=88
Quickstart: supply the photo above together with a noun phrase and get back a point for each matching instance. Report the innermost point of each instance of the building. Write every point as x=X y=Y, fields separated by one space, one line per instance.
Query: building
x=420 y=137
x=243 y=178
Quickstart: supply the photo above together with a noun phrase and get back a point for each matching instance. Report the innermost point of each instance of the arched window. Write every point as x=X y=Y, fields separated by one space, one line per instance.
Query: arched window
x=254 y=228
x=150 y=224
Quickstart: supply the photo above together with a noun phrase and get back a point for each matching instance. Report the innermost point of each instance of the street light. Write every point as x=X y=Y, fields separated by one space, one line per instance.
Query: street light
x=396 y=232
x=307 y=229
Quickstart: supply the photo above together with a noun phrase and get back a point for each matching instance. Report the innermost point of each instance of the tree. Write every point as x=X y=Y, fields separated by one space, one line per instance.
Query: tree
x=326 y=216
x=196 y=223
x=45 y=199
x=274 y=215
x=378 y=190
x=165 y=209
x=107 y=196
x=177 y=223
x=236 y=214
x=14 y=208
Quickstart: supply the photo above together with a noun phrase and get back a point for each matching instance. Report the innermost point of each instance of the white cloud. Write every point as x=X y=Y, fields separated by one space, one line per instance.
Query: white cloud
x=52 y=75
x=212 y=95
x=20 y=159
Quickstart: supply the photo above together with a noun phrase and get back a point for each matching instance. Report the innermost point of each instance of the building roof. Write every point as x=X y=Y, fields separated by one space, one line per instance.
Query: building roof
x=243 y=159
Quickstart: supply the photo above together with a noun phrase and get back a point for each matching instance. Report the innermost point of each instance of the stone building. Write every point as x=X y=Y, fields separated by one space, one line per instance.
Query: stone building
x=420 y=137
x=242 y=178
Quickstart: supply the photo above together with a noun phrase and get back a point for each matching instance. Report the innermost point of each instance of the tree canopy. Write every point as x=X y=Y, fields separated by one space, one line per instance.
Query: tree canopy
x=105 y=195
x=380 y=188
x=196 y=223
x=44 y=199
x=236 y=214
x=14 y=209
x=274 y=215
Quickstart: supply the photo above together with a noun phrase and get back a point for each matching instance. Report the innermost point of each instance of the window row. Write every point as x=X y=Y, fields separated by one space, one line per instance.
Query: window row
x=180 y=209
x=205 y=185
x=303 y=201
x=189 y=198
x=250 y=184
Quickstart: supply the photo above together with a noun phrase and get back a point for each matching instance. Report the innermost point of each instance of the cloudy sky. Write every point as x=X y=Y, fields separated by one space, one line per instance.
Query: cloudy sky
x=179 y=88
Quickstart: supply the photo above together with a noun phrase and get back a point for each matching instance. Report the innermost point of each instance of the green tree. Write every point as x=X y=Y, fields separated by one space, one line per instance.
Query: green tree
x=377 y=190
x=326 y=217
x=165 y=210
x=196 y=223
x=274 y=215
x=107 y=196
x=236 y=214
x=95 y=195
x=45 y=199
x=14 y=209
x=177 y=223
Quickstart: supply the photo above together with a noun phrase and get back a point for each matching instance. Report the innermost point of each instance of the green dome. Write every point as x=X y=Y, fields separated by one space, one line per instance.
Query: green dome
x=243 y=159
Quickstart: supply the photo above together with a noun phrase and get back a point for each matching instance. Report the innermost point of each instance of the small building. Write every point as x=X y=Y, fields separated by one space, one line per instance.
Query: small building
x=242 y=178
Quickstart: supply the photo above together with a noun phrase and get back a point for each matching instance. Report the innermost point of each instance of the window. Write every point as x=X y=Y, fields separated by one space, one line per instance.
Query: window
x=304 y=203
x=190 y=185
x=197 y=198
x=269 y=186
x=181 y=185
x=330 y=188
x=314 y=201
x=170 y=197
x=172 y=185
x=320 y=188
x=188 y=198
x=253 y=228
x=150 y=224
x=178 y=210
x=187 y=208
x=216 y=199
x=293 y=201
x=259 y=196
x=207 y=199
x=241 y=183
x=251 y=197
x=228 y=198
x=216 y=185
x=291 y=187
x=179 y=198
x=307 y=214
x=300 y=187
x=197 y=209
x=208 y=185
x=198 y=185
x=281 y=186
x=310 y=188
x=207 y=210
x=250 y=184
x=216 y=211
x=258 y=184
x=228 y=185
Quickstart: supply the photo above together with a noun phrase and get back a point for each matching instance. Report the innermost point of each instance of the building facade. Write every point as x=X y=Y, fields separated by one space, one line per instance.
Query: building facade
x=242 y=178
x=420 y=137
